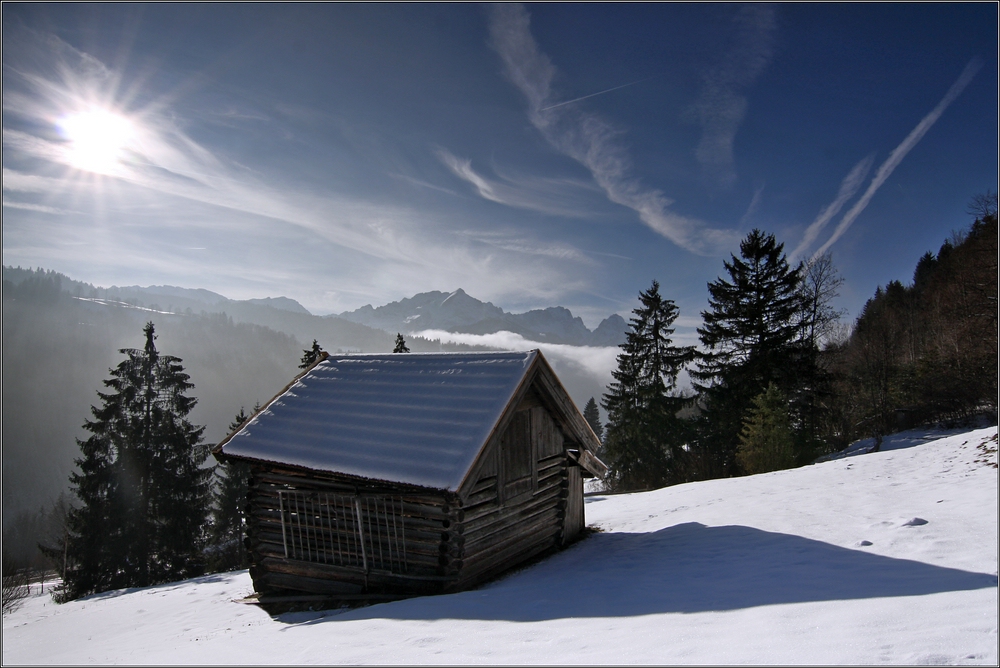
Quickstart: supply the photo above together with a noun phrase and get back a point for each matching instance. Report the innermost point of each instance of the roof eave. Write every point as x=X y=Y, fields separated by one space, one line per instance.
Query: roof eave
x=217 y=451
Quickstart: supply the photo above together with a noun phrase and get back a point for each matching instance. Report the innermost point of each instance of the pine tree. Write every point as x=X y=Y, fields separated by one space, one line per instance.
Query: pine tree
x=142 y=490
x=400 y=344
x=593 y=418
x=644 y=437
x=766 y=441
x=753 y=334
x=232 y=480
x=310 y=355
x=95 y=527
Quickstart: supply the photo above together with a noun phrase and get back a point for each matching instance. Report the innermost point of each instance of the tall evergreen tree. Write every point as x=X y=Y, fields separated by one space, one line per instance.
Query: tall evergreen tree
x=400 y=344
x=593 y=418
x=310 y=355
x=143 y=492
x=753 y=335
x=232 y=480
x=644 y=437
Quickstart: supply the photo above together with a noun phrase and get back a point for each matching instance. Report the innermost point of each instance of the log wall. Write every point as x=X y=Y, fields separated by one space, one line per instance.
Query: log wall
x=321 y=549
x=498 y=536
x=502 y=529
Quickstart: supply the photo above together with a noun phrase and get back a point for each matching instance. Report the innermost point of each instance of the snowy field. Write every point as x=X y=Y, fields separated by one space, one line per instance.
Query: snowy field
x=888 y=557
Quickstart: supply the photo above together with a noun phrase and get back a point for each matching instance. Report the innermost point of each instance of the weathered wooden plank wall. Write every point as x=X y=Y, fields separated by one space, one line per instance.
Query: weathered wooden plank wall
x=431 y=537
x=501 y=528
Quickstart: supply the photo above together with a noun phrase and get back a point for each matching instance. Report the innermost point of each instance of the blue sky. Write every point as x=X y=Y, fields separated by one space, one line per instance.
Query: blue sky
x=538 y=155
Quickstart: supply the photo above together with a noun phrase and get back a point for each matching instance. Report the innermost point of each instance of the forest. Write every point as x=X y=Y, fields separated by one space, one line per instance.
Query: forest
x=780 y=380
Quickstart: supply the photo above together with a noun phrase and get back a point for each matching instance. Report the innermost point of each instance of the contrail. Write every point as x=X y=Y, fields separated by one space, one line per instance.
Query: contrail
x=900 y=152
x=848 y=187
x=593 y=94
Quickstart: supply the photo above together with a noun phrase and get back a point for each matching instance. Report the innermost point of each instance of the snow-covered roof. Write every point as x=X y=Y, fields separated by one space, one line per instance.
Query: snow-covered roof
x=415 y=418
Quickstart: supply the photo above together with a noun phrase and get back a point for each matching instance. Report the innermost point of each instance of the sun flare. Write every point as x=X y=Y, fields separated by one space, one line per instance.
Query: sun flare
x=97 y=139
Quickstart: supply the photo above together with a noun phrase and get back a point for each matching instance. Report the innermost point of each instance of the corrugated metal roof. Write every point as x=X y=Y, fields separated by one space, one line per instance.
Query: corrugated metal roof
x=416 y=418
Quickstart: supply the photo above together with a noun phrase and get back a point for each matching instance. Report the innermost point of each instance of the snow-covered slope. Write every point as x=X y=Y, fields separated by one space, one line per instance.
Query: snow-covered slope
x=889 y=557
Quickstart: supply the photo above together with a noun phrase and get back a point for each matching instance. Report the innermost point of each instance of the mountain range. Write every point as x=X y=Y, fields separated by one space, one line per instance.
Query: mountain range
x=459 y=312
x=456 y=312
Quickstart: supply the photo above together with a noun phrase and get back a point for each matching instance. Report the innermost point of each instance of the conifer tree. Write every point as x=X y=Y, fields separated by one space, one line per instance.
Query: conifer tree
x=232 y=479
x=754 y=333
x=593 y=418
x=766 y=442
x=143 y=493
x=644 y=435
x=400 y=344
x=310 y=355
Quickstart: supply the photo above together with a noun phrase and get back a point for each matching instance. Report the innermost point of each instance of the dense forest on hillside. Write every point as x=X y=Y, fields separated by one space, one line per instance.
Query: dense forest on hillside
x=780 y=381
x=926 y=351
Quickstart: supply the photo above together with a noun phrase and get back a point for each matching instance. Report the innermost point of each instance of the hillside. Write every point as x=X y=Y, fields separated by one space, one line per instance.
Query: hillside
x=887 y=558
x=60 y=337
x=57 y=354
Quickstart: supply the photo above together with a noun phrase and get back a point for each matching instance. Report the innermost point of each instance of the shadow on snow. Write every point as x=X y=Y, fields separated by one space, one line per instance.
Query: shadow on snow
x=680 y=569
x=163 y=587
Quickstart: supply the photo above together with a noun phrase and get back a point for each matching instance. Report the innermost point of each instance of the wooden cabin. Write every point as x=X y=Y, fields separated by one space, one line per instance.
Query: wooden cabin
x=384 y=476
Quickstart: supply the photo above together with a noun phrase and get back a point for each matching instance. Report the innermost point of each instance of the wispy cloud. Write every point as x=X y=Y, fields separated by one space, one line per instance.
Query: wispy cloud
x=519 y=243
x=590 y=140
x=234 y=114
x=16 y=181
x=41 y=208
x=897 y=155
x=558 y=197
x=463 y=170
x=848 y=187
x=721 y=103
x=752 y=207
x=422 y=184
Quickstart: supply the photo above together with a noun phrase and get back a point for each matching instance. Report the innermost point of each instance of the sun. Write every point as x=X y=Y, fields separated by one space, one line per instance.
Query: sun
x=97 y=139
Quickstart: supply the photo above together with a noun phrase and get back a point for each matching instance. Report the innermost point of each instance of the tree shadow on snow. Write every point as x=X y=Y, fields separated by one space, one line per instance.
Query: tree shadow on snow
x=685 y=568
x=163 y=587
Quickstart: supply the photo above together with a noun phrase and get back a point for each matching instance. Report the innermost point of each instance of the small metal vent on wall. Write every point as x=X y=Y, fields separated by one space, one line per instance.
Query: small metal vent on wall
x=359 y=532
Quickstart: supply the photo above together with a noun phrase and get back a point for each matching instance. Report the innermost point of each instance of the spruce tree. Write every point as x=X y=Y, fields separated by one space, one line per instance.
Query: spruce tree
x=232 y=480
x=94 y=541
x=754 y=333
x=593 y=418
x=400 y=344
x=310 y=355
x=143 y=492
x=644 y=437
x=766 y=442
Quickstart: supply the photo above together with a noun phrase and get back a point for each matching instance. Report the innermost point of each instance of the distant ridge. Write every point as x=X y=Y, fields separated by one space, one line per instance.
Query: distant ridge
x=461 y=313
x=281 y=303
x=456 y=312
